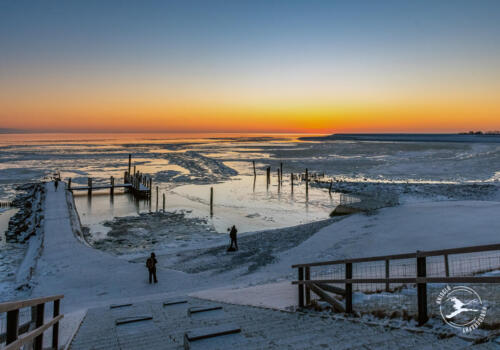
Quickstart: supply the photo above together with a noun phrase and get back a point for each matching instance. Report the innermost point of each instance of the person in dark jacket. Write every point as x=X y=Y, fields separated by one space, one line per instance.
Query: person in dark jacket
x=151 y=265
x=234 y=242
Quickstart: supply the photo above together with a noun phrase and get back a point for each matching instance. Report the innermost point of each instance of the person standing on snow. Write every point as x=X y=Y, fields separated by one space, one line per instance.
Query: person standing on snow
x=151 y=265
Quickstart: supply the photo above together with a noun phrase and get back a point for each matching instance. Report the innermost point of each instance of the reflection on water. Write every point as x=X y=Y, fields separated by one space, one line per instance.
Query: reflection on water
x=244 y=201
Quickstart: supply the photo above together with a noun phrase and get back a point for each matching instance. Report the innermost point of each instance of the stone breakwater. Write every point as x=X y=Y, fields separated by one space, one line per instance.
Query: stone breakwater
x=29 y=219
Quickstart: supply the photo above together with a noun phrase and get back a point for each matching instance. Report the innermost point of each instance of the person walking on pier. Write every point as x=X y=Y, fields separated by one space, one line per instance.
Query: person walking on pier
x=234 y=242
x=151 y=265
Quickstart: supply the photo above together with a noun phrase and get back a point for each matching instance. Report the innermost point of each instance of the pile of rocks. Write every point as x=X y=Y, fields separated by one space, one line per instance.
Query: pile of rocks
x=28 y=220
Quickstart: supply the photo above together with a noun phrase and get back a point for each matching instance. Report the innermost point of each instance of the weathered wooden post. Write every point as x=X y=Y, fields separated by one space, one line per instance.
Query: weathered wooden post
x=69 y=184
x=268 y=176
x=307 y=183
x=211 y=201
x=129 y=162
x=12 y=326
x=446 y=266
x=301 y=287
x=55 y=327
x=421 y=289
x=330 y=188
x=89 y=183
x=279 y=182
x=291 y=181
x=164 y=202
x=308 y=290
x=156 y=198
x=112 y=190
x=348 y=288
x=281 y=172
x=135 y=174
x=387 y=287
x=40 y=309
x=254 y=172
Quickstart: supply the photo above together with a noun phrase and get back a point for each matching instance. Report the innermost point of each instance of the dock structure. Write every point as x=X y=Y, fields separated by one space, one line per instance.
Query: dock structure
x=138 y=183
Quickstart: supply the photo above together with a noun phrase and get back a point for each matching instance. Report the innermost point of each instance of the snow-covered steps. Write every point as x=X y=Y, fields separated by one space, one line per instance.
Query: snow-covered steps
x=259 y=329
x=198 y=334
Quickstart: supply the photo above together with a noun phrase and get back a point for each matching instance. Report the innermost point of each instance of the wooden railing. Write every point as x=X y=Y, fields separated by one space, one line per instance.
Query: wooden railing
x=319 y=286
x=17 y=336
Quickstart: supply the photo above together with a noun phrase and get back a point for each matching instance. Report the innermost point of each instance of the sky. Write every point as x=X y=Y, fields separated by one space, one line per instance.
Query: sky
x=250 y=66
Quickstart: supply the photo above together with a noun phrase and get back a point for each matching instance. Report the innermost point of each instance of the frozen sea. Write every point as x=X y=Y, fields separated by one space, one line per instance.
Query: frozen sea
x=185 y=166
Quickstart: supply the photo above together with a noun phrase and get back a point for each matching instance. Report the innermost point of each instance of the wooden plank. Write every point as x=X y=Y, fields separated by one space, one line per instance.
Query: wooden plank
x=174 y=302
x=482 y=279
x=210 y=332
x=31 y=335
x=116 y=306
x=198 y=309
x=337 y=305
x=331 y=289
x=132 y=319
x=361 y=280
x=13 y=305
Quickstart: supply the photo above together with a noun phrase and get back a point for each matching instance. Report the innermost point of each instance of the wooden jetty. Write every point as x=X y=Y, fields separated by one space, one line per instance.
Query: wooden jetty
x=138 y=183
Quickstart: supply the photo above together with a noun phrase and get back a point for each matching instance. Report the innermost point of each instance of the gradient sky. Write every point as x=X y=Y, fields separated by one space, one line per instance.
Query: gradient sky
x=250 y=66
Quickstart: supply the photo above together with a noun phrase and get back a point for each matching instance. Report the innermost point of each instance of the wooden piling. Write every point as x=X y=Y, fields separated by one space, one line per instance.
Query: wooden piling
x=291 y=181
x=89 y=182
x=112 y=189
x=129 y=162
x=254 y=171
x=164 y=202
x=281 y=172
x=330 y=188
x=69 y=184
x=307 y=183
x=156 y=198
x=279 y=182
x=211 y=201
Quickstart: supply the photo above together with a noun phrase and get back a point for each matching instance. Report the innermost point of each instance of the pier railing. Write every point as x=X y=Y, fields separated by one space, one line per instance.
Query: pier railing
x=30 y=332
x=419 y=268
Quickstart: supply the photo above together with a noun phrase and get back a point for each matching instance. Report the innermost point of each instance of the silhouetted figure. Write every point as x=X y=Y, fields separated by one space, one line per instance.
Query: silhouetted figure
x=151 y=265
x=56 y=183
x=234 y=242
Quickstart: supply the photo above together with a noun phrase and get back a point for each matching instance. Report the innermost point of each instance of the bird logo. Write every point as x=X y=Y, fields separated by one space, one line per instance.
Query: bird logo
x=461 y=307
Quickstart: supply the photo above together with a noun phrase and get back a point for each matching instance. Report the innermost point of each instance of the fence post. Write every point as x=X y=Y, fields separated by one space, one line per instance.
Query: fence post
x=308 y=290
x=348 y=288
x=446 y=265
x=55 y=327
x=387 y=288
x=12 y=326
x=301 y=287
x=422 y=289
x=40 y=309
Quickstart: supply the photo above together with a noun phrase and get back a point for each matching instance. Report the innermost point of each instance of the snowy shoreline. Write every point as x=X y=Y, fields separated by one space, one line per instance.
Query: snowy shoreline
x=89 y=277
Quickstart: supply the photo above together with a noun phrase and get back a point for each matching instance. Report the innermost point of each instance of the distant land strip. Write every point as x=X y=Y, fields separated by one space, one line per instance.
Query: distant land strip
x=484 y=138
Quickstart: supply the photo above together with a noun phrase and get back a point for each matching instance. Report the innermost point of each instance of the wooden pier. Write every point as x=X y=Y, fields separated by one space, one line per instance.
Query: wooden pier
x=138 y=183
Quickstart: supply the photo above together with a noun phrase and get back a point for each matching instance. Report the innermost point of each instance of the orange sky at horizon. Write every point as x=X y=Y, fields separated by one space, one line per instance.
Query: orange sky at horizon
x=293 y=118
